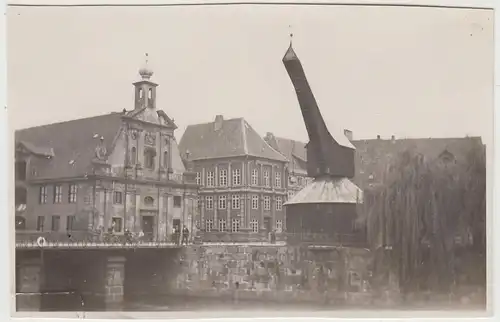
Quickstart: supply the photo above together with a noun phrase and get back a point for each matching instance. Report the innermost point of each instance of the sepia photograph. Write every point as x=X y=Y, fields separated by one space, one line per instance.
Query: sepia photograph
x=239 y=157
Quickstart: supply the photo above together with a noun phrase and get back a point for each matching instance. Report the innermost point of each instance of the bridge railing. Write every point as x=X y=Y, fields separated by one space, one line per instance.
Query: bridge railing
x=29 y=239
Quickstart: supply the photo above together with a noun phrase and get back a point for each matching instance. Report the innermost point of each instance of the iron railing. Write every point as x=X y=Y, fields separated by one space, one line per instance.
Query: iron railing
x=30 y=239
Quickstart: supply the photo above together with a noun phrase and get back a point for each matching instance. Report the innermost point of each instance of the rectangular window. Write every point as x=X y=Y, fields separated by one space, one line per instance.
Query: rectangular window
x=210 y=179
x=267 y=203
x=149 y=159
x=57 y=194
x=277 y=179
x=235 y=202
x=279 y=226
x=56 y=220
x=223 y=178
x=117 y=197
x=43 y=194
x=255 y=177
x=254 y=225
x=209 y=223
x=209 y=200
x=222 y=202
x=222 y=224
x=255 y=202
x=236 y=177
x=40 y=223
x=177 y=201
x=279 y=203
x=73 y=188
x=116 y=223
x=70 y=220
x=266 y=178
x=235 y=225
x=198 y=178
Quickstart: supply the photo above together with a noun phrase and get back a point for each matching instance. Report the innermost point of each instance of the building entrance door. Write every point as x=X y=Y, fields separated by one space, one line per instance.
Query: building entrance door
x=148 y=226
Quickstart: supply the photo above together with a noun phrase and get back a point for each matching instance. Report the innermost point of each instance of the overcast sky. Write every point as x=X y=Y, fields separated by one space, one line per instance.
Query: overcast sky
x=408 y=72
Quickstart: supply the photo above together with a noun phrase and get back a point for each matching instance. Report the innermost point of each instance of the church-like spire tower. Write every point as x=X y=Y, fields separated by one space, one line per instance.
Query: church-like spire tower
x=145 y=89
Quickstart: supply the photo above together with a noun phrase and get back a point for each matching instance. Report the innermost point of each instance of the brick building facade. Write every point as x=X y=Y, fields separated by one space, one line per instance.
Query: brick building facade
x=243 y=179
x=120 y=169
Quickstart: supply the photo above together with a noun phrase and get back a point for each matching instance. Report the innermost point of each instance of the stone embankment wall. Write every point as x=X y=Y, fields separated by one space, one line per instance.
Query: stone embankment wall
x=275 y=273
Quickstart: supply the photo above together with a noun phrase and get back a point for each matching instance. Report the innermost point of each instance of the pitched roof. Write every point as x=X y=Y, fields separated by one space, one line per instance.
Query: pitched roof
x=295 y=151
x=235 y=137
x=72 y=143
x=373 y=156
x=328 y=191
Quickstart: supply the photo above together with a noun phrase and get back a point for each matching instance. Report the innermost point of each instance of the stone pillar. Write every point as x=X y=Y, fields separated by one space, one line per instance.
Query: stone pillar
x=30 y=278
x=170 y=214
x=115 y=277
x=229 y=175
x=137 y=216
x=261 y=222
x=228 y=210
x=101 y=208
x=140 y=147
x=162 y=233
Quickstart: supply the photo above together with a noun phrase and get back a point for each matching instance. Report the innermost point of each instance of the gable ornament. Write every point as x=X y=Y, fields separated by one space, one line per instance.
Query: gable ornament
x=150 y=138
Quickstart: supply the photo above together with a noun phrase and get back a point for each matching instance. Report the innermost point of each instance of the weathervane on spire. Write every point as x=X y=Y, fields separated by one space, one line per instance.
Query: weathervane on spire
x=145 y=71
x=291 y=34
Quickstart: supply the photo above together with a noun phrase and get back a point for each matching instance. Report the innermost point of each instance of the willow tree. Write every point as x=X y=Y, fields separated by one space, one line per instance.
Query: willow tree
x=420 y=212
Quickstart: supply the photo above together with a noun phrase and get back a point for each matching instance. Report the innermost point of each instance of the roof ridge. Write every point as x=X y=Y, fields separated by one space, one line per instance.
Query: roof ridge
x=67 y=121
x=244 y=133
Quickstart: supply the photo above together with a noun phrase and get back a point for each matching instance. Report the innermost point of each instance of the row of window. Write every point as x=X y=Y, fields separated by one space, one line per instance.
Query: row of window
x=58 y=194
x=235 y=225
x=55 y=223
x=236 y=202
x=236 y=178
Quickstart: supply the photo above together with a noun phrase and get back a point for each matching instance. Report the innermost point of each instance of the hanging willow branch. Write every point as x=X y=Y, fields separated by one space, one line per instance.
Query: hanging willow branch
x=422 y=208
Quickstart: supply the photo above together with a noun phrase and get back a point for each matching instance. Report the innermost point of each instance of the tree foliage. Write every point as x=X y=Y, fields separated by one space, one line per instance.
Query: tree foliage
x=423 y=211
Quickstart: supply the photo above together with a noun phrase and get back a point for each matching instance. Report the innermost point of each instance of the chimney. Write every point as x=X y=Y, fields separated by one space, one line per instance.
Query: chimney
x=348 y=134
x=269 y=136
x=218 y=122
x=378 y=137
x=393 y=138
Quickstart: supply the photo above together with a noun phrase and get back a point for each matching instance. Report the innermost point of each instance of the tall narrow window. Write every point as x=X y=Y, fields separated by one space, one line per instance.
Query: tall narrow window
x=198 y=178
x=133 y=155
x=254 y=225
x=267 y=203
x=235 y=225
x=149 y=159
x=255 y=177
x=56 y=220
x=165 y=159
x=70 y=222
x=277 y=180
x=57 y=194
x=266 y=178
x=43 y=194
x=222 y=202
x=141 y=93
x=279 y=203
x=255 y=202
x=223 y=178
x=177 y=201
x=72 y=193
x=117 y=197
x=222 y=224
x=210 y=179
x=209 y=202
x=236 y=177
x=150 y=93
x=40 y=223
x=116 y=223
x=209 y=223
x=279 y=226
x=235 y=202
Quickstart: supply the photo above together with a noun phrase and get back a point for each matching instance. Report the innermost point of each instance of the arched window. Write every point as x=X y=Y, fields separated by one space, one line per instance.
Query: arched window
x=149 y=200
x=20 y=223
x=165 y=159
x=150 y=95
x=140 y=93
x=133 y=155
